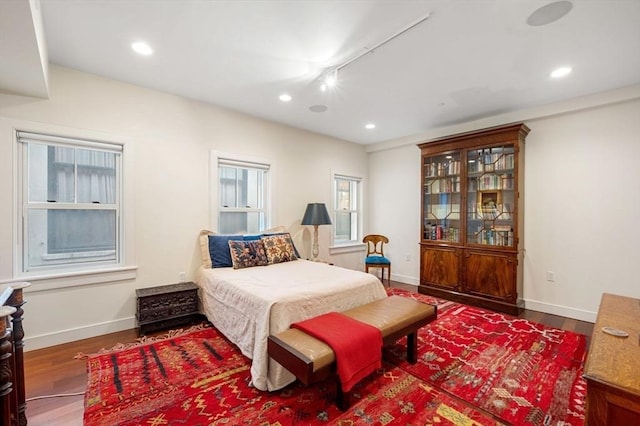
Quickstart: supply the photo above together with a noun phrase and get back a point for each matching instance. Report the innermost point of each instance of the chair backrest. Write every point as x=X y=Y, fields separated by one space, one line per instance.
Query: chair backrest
x=375 y=244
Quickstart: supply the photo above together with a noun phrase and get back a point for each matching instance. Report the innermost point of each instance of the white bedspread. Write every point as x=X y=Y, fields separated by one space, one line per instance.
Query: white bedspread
x=247 y=305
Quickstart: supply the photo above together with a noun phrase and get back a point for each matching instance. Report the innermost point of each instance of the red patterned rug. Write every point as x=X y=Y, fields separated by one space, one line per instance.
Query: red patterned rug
x=197 y=377
x=474 y=368
x=522 y=372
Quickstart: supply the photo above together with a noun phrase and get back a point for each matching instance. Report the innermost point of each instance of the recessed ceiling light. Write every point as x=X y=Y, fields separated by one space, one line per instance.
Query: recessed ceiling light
x=370 y=126
x=549 y=13
x=285 y=97
x=142 y=48
x=560 y=72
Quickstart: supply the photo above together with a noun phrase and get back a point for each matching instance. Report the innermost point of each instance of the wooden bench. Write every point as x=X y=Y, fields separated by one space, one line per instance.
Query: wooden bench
x=312 y=360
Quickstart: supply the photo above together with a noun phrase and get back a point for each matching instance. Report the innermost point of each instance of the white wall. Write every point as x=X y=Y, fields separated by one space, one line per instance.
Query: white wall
x=172 y=138
x=394 y=208
x=582 y=204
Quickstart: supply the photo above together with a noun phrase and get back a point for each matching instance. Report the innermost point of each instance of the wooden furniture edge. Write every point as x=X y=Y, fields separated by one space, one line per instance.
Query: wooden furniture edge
x=12 y=378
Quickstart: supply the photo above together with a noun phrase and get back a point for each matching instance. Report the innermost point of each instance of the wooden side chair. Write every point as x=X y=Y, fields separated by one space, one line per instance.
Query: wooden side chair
x=375 y=255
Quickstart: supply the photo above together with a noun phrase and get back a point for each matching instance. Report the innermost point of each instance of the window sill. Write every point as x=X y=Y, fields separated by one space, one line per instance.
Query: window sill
x=347 y=248
x=74 y=279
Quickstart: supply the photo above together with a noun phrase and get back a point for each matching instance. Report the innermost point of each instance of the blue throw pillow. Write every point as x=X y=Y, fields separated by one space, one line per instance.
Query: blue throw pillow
x=219 y=250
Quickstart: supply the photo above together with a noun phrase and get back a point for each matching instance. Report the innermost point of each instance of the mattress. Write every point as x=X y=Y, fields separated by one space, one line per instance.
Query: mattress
x=247 y=305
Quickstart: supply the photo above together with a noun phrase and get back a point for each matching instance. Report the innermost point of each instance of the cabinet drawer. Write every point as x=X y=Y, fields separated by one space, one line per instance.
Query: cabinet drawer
x=167 y=300
x=167 y=312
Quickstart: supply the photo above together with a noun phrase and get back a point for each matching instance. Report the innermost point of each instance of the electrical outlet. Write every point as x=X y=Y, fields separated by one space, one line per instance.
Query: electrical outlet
x=182 y=276
x=551 y=276
x=407 y=258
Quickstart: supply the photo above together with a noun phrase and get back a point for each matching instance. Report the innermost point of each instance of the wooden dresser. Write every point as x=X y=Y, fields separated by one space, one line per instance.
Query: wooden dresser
x=13 y=404
x=612 y=370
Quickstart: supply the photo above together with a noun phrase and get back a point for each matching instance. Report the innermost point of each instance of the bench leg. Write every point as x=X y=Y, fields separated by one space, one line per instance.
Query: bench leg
x=412 y=347
x=343 y=399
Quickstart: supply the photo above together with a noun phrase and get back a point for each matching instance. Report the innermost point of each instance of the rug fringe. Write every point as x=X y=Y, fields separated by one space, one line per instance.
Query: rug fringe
x=145 y=340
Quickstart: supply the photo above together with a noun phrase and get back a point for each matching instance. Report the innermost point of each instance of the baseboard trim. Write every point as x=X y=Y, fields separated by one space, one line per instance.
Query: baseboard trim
x=79 y=333
x=405 y=279
x=534 y=305
x=564 y=311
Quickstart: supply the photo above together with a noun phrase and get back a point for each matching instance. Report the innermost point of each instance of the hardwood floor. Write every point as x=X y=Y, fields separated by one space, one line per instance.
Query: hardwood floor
x=54 y=371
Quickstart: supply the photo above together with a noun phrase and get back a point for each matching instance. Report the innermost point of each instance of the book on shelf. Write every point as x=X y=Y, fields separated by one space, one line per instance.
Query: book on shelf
x=489 y=212
x=492 y=181
x=489 y=161
x=506 y=211
x=441 y=233
x=495 y=236
x=448 y=167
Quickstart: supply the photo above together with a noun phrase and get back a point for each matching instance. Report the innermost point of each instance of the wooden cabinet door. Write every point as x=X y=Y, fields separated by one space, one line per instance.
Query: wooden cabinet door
x=440 y=267
x=491 y=274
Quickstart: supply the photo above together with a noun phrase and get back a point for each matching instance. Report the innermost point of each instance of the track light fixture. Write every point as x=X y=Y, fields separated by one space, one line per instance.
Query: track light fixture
x=330 y=78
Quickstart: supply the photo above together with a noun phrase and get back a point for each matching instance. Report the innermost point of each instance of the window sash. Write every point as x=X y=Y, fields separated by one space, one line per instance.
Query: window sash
x=55 y=233
x=242 y=190
x=242 y=196
x=346 y=213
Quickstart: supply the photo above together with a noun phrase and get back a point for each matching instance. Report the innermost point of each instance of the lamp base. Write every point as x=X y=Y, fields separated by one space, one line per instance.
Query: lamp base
x=315 y=249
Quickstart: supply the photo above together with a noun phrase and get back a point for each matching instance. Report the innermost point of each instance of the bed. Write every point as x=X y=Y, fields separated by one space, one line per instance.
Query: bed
x=248 y=304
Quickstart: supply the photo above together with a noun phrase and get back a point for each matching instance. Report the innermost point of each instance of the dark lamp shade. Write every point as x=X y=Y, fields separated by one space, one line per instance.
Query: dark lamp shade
x=316 y=214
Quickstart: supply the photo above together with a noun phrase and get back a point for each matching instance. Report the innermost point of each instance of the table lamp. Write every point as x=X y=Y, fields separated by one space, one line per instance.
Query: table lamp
x=316 y=214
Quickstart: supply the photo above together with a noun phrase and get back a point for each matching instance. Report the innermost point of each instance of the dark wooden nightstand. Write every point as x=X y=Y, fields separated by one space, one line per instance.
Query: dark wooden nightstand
x=167 y=306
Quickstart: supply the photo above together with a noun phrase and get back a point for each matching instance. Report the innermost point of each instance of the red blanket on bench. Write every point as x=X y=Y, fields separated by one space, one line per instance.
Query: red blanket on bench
x=357 y=346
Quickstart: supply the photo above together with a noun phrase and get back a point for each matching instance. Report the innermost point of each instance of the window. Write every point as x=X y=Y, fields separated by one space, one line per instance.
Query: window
x=242 y=192
x=70 y=200
x=346 y=190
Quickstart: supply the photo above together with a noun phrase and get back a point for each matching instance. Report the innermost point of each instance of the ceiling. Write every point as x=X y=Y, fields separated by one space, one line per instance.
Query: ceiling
x=468 y=60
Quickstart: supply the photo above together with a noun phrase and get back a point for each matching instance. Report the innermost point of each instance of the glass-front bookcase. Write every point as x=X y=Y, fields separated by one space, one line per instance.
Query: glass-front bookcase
x=442 y=197
x=491 y=195
x=472 y=217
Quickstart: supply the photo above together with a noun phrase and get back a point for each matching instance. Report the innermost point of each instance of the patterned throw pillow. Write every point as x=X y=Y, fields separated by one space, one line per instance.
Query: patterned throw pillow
x=279 y=248
x=245 y=254
x=295 y=249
